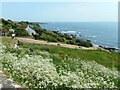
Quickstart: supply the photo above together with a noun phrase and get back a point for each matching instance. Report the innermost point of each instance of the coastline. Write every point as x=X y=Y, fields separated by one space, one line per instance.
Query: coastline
x=97 y=32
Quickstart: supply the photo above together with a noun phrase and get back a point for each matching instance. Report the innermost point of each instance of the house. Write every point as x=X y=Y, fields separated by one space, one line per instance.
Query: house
x=4 y=32
x=22 y=27
x=28 y=29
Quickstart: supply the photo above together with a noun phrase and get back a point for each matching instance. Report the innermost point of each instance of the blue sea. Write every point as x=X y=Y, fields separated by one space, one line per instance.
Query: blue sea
x=100 y=33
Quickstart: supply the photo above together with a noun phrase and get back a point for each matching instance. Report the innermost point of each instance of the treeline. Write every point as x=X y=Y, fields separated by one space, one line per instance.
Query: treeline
x=43 y=34
x=13 y=27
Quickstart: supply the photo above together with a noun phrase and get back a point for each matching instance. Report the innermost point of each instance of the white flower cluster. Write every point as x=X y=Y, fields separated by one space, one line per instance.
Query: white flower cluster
x=91 y=75
x=38 y=72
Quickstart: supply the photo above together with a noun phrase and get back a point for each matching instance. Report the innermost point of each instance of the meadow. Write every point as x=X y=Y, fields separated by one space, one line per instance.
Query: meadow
x=57 y=67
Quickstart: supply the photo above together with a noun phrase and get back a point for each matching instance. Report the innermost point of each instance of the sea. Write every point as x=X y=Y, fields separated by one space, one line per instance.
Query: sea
x=100 y=33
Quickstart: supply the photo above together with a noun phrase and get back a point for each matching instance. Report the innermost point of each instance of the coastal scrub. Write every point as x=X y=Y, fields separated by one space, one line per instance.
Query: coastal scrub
x=36 y=71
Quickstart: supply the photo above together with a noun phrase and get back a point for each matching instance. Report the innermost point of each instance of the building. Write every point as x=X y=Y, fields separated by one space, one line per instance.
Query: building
x=22 y=27
x=28 y=29
x=4 y=32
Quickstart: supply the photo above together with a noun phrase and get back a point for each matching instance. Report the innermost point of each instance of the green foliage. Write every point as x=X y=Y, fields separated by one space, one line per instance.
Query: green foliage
x=25 y=23
x=84 y=43
x=51 y=36
x=100 y=56
x=21 y=32
x=55 y=36
x=36 y=71
x=73 y=41
x=48 y=38
x=70 y=66
x=61 y=39
x=8 y=24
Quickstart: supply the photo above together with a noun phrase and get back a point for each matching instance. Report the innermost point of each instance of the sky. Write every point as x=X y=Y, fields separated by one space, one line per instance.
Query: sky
x=60 y=11
x=60 y=1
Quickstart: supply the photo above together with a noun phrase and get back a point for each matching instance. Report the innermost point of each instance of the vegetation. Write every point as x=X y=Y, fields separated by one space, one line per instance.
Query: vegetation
x=21 y=32
x=104 y=58
x=51 y=36
x=59 y=68
x=8 y=24
x=55 y=36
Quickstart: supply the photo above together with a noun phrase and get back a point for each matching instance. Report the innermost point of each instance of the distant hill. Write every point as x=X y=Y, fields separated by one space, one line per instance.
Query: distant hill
x=41 y=33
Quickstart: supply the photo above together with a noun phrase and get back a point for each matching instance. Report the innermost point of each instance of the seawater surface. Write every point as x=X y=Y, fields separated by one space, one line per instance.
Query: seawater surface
x=100 y=33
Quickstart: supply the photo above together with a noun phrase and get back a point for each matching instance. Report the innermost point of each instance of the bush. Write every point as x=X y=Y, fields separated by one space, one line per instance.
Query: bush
x=48 y=38
x=84 y=43
x=60 y=39
x=21 y=32
x=71 y=42
x=67 y=37
x=36 y=37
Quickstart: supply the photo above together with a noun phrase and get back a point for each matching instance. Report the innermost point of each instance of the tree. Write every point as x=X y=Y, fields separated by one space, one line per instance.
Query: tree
x=21 y=32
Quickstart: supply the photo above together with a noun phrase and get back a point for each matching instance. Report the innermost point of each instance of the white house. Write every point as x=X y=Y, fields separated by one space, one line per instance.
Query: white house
x=30 y=31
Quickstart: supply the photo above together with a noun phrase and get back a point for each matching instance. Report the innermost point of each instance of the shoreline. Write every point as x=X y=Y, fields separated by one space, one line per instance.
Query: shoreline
x=111 y=49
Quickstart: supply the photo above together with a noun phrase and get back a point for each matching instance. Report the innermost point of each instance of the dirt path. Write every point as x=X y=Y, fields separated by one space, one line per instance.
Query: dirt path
x=29 y=40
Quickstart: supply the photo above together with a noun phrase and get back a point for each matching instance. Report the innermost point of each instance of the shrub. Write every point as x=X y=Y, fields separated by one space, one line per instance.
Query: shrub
x=21 y=32
x=48 y=38
x=84 y=43
x=67 y=37
x=60 y=39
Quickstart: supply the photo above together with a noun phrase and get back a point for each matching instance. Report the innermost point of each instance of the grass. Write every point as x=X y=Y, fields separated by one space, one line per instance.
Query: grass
x=8 y=41
x=102 y=57
x=61 y=56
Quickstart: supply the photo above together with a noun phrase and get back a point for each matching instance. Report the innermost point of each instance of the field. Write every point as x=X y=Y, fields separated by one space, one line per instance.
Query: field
x=43 y=66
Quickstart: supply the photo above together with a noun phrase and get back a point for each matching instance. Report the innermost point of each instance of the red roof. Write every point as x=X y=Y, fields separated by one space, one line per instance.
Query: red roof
x=23 y=27
x=4 y=31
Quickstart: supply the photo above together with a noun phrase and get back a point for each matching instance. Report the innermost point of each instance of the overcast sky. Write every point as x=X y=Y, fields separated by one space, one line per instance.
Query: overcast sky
x=61 y=11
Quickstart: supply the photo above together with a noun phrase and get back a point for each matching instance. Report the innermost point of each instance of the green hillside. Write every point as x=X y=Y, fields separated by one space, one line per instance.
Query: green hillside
x=41 y=66
x=42 y=34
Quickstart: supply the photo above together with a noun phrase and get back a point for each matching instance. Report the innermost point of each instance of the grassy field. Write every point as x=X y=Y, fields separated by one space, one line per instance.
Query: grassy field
x=35 y=65
x=102 y=57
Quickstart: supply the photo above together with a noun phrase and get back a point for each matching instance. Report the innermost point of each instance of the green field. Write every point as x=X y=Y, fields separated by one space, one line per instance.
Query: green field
x=105 y=58
x=64 y=58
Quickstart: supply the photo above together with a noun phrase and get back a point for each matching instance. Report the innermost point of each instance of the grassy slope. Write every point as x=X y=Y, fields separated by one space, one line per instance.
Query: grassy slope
x=102 y=57
x=105 y=58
